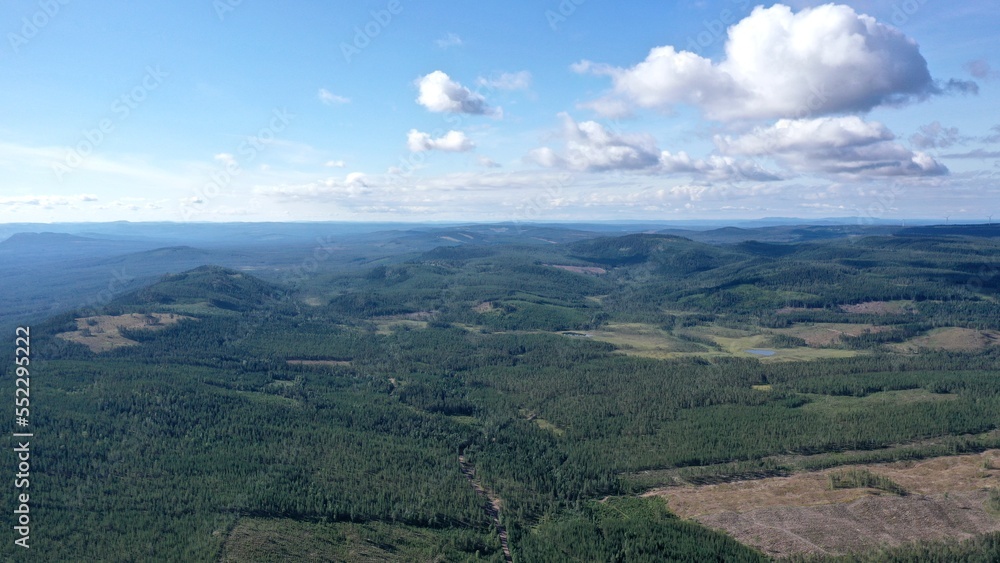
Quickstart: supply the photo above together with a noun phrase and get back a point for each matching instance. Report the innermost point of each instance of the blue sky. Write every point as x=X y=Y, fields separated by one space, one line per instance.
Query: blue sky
x=242 y=110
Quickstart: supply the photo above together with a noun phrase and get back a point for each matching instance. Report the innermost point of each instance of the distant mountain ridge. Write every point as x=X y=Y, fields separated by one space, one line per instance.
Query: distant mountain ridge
x=45 y=238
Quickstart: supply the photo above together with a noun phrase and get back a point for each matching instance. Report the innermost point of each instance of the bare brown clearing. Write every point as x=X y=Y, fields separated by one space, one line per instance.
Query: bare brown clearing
x=801 y=514
x=318 y=362
x=101 y=333
x=951 y=338
x=879 y=308
x=484 y=307
x=825 y=334
x=580 y=269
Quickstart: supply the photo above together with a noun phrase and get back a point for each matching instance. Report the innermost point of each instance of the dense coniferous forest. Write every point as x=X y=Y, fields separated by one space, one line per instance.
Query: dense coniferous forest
x=325 y=414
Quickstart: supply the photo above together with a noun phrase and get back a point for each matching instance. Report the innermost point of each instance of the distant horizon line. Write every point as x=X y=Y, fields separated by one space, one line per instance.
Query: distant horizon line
x=852 y=220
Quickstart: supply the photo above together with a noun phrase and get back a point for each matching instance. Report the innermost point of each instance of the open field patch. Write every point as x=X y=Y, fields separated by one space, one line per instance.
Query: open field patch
x=102 y=333
x=950 y=338
x=846 y=403
x=713 y=331
x=650 y=341
x=268 y=398
x=266 y=539
x=542 y=423
x=318 y=362
x=646 y=340
x=826 y=334
x=787 y=310
x=801 y=513
x=880 y=308
x=580 y=269
x=418 y=320
x=195 y=308
x=740 y=346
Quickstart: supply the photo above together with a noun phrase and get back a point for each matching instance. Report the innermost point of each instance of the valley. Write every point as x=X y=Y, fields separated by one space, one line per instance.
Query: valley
x=601 y=395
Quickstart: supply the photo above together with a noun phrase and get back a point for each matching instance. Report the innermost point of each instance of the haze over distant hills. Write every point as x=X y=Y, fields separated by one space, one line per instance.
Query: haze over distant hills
x=65 y=265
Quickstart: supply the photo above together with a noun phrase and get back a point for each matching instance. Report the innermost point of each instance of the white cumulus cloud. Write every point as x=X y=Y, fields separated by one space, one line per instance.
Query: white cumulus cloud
x=452 y=141
x=440 y=94
x=798 y=135
x=507 y=81
x=935 y=136
x=329 y=98
x=449 y=40
x=779 y=63
x=487 y=162
x=591 y=147
x=834 y=145
x=47 y=201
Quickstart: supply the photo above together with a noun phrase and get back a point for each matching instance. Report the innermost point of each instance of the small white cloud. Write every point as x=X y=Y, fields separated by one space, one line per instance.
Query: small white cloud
x=935 y=136
x=993 y=137
x=450 y=40
x=452 y=141
x=981 y=69
x=612 y=108
x=546 y=157
x=356 y=179
x=507 y=81
x=47 y=201
x=979 y=153
x=487 y=162
x=225 y=157
x=440 y=94
x=329 y=98
x=335 y=164
x=591 y=147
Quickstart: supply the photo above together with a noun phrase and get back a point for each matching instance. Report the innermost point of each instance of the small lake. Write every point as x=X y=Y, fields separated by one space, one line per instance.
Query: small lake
x=760 y=352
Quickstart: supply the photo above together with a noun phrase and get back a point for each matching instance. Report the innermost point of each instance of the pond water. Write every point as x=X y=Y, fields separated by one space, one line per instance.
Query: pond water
x=760 y=352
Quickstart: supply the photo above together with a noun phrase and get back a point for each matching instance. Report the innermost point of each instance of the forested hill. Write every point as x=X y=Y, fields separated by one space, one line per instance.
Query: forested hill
x=223 y=414
x=207 y=286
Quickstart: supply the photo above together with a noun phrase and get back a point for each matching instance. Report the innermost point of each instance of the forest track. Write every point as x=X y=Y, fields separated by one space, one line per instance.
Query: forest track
x=491 y=506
